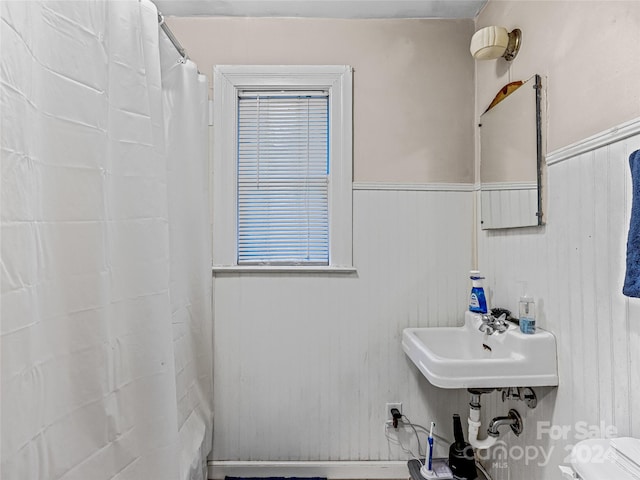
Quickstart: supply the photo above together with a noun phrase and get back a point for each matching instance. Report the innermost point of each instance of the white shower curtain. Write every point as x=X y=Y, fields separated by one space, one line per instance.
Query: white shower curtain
x=105 y=313
x=185 y=98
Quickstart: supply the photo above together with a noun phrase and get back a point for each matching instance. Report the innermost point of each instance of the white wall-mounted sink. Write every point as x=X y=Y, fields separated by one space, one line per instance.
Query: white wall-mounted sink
x=464 y=357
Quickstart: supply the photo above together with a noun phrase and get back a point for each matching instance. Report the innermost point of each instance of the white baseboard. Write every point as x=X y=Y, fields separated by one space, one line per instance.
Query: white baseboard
x=333 y=470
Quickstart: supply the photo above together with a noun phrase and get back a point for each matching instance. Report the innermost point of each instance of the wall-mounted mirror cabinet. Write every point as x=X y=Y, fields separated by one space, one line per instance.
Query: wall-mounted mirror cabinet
x=511 y=159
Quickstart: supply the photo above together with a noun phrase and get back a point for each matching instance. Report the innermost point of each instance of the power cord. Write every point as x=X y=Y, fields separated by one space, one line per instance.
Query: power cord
x=444 y=440
x=482 y=469
x=408 y=422
x=396 y=418
x=396 y=415
x=396 y=440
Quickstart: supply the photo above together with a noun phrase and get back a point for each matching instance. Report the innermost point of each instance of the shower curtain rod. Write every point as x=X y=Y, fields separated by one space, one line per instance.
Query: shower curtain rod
x=171 y=36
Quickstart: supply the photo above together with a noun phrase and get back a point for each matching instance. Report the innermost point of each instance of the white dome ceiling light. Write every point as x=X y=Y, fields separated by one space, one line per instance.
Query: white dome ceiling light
x=490 y=43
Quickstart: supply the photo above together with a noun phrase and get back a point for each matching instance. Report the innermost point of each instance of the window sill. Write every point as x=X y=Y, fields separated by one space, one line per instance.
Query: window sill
x=218 y=269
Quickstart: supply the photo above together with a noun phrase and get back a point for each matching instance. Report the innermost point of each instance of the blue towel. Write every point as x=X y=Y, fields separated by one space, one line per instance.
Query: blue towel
x=632 y=279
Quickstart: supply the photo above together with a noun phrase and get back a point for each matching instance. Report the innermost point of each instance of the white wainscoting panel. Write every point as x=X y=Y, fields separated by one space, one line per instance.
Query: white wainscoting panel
x=304 y=363
x=574 y=266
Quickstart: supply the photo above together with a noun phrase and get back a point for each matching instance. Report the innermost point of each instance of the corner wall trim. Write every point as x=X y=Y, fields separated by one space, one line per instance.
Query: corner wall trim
x=421 y=187
x=604 y=138
x=375 y=470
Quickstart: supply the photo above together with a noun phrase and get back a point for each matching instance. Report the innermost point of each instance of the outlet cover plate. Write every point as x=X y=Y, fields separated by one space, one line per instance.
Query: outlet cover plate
x=391 y=405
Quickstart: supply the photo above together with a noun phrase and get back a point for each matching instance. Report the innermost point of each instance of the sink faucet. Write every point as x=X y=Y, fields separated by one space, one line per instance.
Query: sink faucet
x=491 y=325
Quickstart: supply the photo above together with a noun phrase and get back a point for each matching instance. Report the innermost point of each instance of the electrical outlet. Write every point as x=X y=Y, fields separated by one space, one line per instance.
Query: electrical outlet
x=389 y=406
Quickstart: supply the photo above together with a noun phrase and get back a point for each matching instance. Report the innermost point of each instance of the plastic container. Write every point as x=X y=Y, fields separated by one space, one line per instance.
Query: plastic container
x=527 y=315
x=477 y=299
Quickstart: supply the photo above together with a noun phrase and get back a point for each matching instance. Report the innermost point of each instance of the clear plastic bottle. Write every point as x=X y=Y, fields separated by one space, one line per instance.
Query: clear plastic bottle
x=477 y=299
x=527 y=314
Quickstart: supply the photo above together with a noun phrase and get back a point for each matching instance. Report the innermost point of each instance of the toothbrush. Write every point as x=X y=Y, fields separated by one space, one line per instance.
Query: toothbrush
x=430 y=439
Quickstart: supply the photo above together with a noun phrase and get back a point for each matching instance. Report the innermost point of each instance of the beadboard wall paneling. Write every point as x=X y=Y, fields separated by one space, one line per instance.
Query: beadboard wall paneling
x=304 y=363
x=574 y=267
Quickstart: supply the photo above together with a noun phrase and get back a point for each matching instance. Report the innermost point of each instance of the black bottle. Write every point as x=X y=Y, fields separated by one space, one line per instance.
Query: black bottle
x=461 y=460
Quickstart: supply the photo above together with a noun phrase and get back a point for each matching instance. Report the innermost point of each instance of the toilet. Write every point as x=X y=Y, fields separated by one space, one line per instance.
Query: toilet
x=605 y=459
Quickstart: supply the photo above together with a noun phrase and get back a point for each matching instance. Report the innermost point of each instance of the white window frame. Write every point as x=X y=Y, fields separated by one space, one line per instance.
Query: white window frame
x=228 y=81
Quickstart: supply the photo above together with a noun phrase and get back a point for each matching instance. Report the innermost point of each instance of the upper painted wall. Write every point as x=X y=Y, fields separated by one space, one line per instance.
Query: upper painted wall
x=588 y=50
x=413 y=83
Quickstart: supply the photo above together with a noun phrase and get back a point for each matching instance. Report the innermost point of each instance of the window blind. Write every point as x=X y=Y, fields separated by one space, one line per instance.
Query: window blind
x=282 y=189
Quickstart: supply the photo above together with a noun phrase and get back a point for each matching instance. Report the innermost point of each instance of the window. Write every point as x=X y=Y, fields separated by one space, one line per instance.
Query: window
x=282 y=178
x=282 y=167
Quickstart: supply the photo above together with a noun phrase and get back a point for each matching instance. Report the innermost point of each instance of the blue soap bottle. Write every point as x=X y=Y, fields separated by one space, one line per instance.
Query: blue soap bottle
x=477 y=299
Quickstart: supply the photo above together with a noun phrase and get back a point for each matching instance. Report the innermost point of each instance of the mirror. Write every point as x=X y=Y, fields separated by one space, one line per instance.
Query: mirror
x=511 y=159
